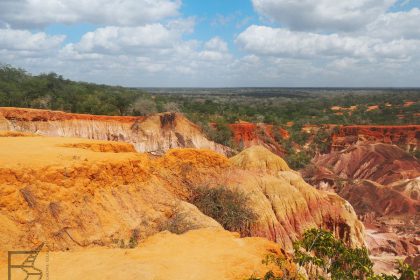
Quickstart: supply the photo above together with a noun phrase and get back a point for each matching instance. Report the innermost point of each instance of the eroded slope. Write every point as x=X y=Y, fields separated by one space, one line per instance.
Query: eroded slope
x=78 y=193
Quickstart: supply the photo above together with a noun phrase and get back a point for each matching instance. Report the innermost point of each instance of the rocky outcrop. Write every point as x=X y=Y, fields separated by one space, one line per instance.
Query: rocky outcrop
x=377 y=162
x=405 y=136
x=73 y=192
x=282 y=197
x=247 y=134
x=156 y=133
x=369 y=197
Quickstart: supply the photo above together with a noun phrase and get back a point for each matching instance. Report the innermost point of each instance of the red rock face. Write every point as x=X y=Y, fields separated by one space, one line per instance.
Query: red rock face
x=379 y=162
x=406 y=136
x=382 y=183
x=249 y=134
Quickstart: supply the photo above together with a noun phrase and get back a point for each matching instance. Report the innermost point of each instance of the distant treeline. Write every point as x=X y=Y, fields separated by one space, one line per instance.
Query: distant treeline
x=18 y=88
x=282 y=107
x=275 y=106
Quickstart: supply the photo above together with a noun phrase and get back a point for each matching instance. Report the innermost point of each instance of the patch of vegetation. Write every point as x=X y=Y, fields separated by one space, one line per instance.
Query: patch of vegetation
x=51 y=91
x=415 y=154
x=228 y=207
x=298 y=160
x=219 y=133
x=133 y=242
x=283 y=265
x=178 y=223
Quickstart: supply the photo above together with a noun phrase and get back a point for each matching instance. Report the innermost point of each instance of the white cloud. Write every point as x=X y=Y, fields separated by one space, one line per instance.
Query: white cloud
x=263 y=40
x=153 y=51
x=217 y=44
x=126 y=39
x=23 y=40
x=326 y=15
x=398 y=25
x=25 y=13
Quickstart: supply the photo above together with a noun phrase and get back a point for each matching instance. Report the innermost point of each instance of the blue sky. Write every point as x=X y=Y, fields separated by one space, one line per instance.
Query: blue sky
x=216 y=43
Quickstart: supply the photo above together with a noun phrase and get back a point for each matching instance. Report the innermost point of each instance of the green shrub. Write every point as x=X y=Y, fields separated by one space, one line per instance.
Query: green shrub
x=298 y=160
x=334 y=260
x=229 y=207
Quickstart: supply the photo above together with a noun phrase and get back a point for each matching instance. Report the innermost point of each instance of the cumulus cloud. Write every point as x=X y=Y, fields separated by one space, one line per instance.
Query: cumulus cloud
x=217 y=44
x=153 y=49
x=340 y=43
x=397 y=25
x=114 y=39
x=26 y=13
x=23 y=40
x=271 y=41
x=325 y=15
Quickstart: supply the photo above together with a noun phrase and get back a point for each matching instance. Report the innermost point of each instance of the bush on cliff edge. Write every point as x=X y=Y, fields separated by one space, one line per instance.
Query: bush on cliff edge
x=228 y=207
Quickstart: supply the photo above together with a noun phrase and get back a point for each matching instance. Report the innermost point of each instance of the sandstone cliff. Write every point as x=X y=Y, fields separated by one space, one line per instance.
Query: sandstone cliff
x=156 y=133
x=74 y=192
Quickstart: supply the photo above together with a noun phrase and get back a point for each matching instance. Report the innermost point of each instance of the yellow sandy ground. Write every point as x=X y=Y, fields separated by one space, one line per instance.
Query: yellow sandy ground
x=199 y=254
x=40 y=151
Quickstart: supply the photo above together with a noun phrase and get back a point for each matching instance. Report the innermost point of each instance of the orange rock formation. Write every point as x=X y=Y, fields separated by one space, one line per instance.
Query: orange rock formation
x=74 y=192
x=248 y=134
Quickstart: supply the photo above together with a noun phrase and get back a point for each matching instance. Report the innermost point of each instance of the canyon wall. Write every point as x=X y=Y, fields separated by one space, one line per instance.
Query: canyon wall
x=405 y=136
x=382 y=183
x=155 y=134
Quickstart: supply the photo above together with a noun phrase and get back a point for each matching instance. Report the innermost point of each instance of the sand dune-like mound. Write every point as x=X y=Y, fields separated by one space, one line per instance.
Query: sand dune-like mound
x=259 y=158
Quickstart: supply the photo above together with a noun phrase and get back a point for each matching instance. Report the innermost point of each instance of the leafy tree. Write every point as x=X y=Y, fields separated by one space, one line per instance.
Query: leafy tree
x=334 y=260
x=326 y=257
x=143 y=107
